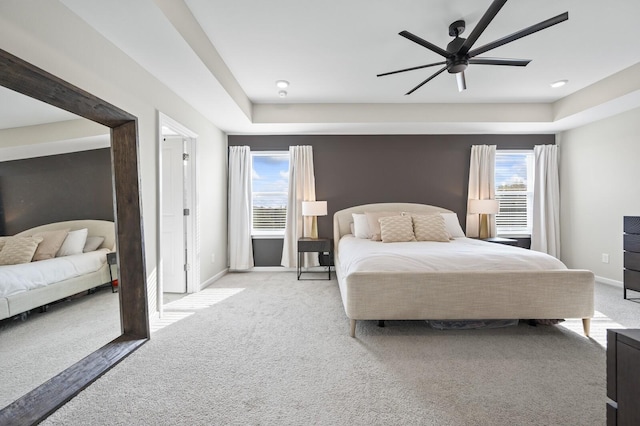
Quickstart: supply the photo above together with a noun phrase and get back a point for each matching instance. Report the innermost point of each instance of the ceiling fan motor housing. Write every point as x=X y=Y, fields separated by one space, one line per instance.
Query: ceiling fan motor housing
x=456 y=63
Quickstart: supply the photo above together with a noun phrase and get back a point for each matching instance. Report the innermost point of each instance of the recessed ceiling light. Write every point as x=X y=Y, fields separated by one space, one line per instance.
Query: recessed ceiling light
x=559 y=83
x=282 y=84
x=282 y=93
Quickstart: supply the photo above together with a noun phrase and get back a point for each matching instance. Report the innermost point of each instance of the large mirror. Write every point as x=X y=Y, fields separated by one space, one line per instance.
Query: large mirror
x=54 y=166
x=31 y=81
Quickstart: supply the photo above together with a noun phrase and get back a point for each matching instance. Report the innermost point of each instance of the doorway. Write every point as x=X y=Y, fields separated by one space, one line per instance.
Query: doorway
x=178 y=251
x=174 y=214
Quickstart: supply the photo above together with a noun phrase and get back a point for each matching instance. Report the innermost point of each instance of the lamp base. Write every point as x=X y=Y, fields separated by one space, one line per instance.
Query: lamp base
x=484 y=226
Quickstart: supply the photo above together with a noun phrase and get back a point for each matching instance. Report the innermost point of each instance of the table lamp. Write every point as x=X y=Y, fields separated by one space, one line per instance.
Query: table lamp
x=315 y=209
x=484 y=208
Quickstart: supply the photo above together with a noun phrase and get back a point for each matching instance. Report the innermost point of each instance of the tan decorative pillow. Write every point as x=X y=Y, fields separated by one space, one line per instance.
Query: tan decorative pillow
x=430 y=228
x=396 y=229
x=51 y=243
x=19 y=250
x=92 y=244
x=374 y=225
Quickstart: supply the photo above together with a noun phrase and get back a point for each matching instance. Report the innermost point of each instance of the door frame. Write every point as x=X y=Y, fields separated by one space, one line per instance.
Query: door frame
x=192 y=224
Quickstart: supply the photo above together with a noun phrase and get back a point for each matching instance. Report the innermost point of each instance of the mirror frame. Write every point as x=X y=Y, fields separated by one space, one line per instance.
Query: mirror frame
x=25 y=78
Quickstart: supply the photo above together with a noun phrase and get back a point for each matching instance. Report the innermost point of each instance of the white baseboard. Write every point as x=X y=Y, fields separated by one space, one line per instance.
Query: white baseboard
x=214 y=278
x=608 y=281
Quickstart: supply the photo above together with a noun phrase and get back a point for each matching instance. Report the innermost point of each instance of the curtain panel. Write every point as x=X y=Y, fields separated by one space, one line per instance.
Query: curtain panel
x=239 y=219
x=545 y=233
x=481 y=185
x=302 y=187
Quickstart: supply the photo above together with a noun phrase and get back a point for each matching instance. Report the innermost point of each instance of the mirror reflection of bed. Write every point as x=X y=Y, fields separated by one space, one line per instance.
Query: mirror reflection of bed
x=54 y=167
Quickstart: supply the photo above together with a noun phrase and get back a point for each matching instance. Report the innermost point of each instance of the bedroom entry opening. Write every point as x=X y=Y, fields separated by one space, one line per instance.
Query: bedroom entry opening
x=178 y=266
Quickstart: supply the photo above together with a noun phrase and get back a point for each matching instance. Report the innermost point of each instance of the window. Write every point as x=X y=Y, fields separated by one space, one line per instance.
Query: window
x=270 y=186
x=514 y=191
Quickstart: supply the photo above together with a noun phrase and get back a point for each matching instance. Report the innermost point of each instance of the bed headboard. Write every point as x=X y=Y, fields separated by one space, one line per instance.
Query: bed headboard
x=342 y=219
x=96 y=228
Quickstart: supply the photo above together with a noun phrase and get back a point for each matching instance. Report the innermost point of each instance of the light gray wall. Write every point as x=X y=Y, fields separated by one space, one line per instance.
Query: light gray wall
x=599 y=176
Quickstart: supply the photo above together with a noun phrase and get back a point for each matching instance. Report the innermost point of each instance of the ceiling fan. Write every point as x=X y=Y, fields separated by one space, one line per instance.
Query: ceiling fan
x=459 y=54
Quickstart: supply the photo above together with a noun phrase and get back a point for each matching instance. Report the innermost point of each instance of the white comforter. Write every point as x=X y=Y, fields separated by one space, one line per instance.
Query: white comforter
x=26 y=276
x=460 y=254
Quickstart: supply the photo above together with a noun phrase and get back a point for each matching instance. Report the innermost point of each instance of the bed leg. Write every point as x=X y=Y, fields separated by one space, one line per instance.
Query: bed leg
x=353 y=328
x=586 y=325
x=380 y=323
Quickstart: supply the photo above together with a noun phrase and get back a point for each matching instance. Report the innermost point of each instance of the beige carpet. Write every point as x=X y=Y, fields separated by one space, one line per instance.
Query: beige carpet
x=277 y=352
x=35 y=350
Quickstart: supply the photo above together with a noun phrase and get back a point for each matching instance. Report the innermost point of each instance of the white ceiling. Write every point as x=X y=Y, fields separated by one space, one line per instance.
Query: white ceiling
x=17 y=110
x=223 y=57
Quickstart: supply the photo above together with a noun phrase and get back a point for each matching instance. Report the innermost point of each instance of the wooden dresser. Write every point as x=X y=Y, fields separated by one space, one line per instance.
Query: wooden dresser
x=631 y=254
x=623 y=377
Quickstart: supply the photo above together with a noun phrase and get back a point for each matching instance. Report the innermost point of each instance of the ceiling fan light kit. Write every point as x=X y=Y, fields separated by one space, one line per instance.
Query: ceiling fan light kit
x=459 y=55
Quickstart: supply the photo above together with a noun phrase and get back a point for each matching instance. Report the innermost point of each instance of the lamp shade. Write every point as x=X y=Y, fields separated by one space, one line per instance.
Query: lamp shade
x=484 y=206
x=314 y=208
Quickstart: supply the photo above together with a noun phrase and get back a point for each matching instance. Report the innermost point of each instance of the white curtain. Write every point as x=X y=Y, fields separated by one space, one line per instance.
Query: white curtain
x=240 y=244
x=481 y=185
x=545 y=235
x=302 y=187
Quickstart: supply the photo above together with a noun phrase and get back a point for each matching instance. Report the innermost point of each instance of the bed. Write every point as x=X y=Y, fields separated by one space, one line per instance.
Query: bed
x=35 y=284
x=388 y=289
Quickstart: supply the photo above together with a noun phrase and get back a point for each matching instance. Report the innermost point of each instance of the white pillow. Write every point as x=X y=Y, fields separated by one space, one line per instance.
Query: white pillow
x=361 y=226
x=74 y=243
x=453 y=225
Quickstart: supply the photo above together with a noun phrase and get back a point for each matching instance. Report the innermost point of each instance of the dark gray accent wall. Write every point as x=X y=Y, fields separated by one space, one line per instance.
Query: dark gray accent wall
x=267 y=251
x=55 y=188
x=361 y=169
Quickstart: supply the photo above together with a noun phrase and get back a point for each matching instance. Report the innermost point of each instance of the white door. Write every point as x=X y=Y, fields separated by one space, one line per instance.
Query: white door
x=173 y=229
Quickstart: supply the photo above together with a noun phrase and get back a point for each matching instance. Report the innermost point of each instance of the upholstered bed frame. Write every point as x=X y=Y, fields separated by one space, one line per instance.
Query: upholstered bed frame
x=456 y=295
x=22 y=302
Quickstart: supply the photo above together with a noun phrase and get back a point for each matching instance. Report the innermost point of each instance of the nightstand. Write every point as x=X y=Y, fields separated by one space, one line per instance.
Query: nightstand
x=112 y=259
x=501 y=240
x=313 y=245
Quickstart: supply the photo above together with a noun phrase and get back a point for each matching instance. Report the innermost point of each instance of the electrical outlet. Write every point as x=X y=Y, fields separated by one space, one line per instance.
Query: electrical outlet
x=605 y=257
x=213 y=258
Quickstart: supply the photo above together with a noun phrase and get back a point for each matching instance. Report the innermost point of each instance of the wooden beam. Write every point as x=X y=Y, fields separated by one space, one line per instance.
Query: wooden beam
x=38 y=404
x=132 y=278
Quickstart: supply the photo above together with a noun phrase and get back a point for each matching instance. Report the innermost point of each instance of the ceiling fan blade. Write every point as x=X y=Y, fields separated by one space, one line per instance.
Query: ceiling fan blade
x=500 y=61
x=482 y=25
x=414 y=38
x=410 y=69
x=519 y=34
x=426 y=81
x=462 y=82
